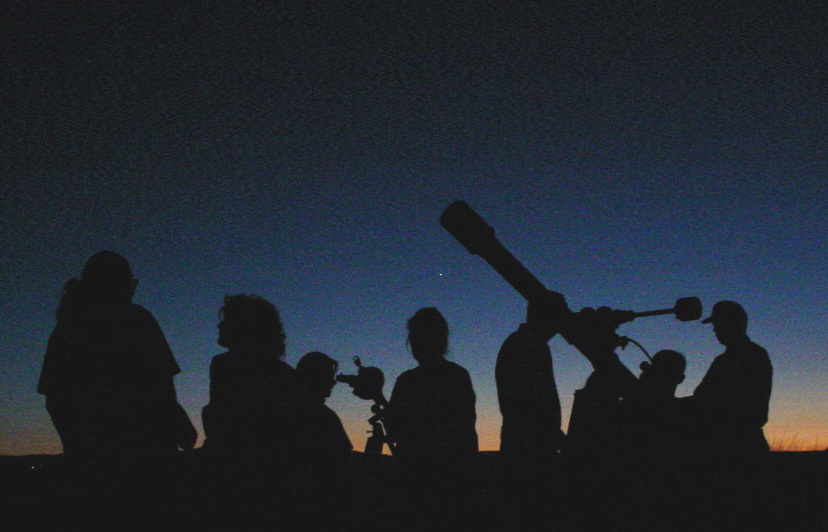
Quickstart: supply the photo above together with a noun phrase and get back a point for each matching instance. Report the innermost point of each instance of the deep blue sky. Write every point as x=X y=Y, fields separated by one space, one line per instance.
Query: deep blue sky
x=627 y=155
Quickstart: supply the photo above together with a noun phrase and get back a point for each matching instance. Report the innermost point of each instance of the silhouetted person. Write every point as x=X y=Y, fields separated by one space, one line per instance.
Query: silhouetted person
x=248 y=422
x=431 y=413
x=614 y=424
x=597 y=437
x=531 y=436
x=726 y=413
x=653 y=408
x=108 y=370
x=431 y=417
x=321 y=436
x=660 y=377
x=730 y=404
x=320 y=450
x=108 y=380
x=251 y=387
x=526 y=389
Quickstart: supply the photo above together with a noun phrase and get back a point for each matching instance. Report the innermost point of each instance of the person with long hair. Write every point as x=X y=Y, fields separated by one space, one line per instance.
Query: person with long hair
x=431 y=413
x=108 y=371
x=431 y=417
x=251 y=386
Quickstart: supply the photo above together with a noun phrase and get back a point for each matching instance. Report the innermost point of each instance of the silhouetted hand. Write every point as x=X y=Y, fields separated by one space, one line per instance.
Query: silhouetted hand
x=548 y=314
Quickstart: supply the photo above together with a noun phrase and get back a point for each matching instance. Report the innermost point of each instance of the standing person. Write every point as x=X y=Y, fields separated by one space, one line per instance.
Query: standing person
x=431 y=413
x=526 y=390
x=730 y=404
x=108 y=380
x=431 y=417
x=727 y=411
x=251 y=386
x=108 y=371
x=531 y=436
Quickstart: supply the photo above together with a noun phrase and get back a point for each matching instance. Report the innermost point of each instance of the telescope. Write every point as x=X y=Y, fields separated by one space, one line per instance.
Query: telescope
x=478 y=237
x=367 y=384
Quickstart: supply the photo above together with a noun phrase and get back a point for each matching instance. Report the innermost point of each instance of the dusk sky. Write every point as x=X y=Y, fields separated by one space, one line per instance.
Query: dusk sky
x=628 y=156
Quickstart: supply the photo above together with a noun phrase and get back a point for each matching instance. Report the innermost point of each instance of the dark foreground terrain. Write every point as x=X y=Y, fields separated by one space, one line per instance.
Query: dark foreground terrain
x=191 y=493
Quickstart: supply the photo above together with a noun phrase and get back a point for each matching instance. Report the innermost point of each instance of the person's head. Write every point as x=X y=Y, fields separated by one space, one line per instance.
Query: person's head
x=729 y=321
x=251 y=323
x=428 y=335
x=316 y=373
x=664 y=373
x=106 y=280
x=546 y=315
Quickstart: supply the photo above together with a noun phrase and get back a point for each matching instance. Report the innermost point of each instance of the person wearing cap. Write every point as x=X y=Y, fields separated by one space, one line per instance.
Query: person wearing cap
x=730 y=405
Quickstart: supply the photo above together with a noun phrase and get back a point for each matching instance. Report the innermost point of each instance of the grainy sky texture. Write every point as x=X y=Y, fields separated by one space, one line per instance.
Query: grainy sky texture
x=627 y=155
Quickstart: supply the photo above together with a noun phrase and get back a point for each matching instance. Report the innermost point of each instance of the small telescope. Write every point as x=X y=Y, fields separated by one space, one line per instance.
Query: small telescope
x=478 y=238
x=367 y=383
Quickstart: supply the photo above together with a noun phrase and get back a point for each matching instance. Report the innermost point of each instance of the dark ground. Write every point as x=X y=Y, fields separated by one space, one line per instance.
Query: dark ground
x=42 y=492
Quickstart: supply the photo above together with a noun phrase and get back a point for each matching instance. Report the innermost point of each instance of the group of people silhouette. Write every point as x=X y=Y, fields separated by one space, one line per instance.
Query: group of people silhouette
x=108 y=380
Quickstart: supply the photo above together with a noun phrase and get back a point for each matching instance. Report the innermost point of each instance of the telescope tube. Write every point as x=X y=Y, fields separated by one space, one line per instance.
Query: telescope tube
x=478 y=238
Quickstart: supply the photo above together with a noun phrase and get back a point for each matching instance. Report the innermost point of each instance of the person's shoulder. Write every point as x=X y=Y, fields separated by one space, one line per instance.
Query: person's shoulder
x=410 y=373
x=521 y=337
x=749 y=350
x=222 y=360
x=450 y=370
x=138 y=316
x=408 y=376
x=759 y=353
x=276 y=368
x=137 y=311
x=456 y=368
x=282 y=367
x=758 y=349
x=521 y=333
x=329 y=414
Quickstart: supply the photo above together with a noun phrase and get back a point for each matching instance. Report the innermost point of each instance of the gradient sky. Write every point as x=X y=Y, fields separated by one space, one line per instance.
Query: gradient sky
x=628 y=156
